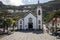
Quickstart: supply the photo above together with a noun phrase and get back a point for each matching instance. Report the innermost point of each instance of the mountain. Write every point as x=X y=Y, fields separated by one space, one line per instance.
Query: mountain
x=50 y=6
x=3 y=6
x=47 y=7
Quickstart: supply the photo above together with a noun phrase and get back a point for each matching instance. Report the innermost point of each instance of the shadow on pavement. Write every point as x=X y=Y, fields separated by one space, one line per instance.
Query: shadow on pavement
x=58 y=37
x=5 y=33
x=30 y=31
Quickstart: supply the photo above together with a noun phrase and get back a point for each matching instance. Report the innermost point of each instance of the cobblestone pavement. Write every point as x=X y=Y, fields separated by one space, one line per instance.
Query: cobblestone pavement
x=29 y=36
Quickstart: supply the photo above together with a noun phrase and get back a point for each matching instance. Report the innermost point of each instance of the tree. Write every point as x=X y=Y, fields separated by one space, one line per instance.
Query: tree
x=14 y=24
x=8 y=23
x=3 y=15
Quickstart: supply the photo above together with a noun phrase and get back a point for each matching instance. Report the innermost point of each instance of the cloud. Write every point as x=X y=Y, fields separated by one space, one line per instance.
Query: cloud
x=5 y=1
x=22 y=2
x=29 y=0
x=16 y=2
x=34 y=1
x=13 y=2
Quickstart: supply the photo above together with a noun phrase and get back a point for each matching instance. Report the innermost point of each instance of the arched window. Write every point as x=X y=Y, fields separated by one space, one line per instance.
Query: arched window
x=30 y=19
x=20 y=21
x=38 y=12
x=39 y=26
x=39 y=21
x=21 y=24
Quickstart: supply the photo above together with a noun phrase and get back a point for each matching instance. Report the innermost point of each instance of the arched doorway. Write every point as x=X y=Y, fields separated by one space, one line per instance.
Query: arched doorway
x=30 y=24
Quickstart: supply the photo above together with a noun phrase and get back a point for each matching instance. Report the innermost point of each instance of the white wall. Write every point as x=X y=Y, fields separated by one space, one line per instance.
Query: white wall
x=26 y=19
x=20 y=24
x=39 y=17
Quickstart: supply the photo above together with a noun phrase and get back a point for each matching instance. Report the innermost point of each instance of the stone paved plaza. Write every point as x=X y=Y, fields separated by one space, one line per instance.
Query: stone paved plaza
x=29 y=36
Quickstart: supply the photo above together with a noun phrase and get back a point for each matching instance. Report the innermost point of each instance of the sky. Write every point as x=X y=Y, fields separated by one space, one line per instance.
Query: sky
x=22 y=2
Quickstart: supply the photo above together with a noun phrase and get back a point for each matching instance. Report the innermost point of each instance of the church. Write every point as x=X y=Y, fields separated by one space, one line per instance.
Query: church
x=31 y=20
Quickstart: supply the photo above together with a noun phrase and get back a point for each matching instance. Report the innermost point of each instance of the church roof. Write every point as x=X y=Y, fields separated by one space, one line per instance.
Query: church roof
x=24 y=14
x=32 y=9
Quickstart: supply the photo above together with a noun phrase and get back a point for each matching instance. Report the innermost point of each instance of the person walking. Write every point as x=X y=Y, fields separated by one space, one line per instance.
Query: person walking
x=47 y=29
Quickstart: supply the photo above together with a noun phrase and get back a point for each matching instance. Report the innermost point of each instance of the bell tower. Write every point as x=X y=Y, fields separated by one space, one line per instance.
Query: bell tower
x=39 y=16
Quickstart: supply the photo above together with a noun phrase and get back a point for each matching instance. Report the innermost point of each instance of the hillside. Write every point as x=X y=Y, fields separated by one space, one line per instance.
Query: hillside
x=47 y=7
x=50 y=7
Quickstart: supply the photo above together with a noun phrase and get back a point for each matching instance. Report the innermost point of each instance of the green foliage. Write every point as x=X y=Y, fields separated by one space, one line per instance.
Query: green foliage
x=14 y=23
x=4 y=13
x=52 y=15
x=50 y=7
x=57 y=13
x=9 y=21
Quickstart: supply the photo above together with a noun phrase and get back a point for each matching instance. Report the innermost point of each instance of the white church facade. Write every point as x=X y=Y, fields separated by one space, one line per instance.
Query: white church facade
x=31 y=21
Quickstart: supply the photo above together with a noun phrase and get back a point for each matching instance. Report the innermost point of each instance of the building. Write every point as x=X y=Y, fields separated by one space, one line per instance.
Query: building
x=30 y=20
x=54 y=22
